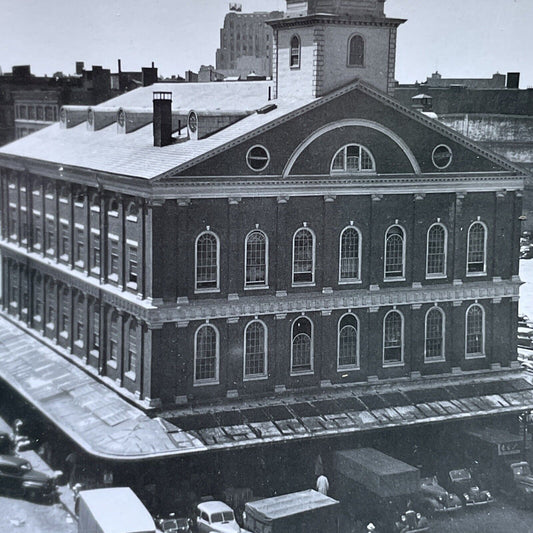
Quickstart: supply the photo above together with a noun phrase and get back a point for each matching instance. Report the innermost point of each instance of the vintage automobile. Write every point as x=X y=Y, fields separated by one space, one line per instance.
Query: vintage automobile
x=436 y=499
x=461 y=482
x=18 y=477
x=215 y=517
x=172 y=524
x=522 y=482
x=411 y=522
x=7 y=445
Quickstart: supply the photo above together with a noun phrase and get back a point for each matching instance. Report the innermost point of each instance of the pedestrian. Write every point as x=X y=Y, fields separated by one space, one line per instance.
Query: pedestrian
x=322 y=484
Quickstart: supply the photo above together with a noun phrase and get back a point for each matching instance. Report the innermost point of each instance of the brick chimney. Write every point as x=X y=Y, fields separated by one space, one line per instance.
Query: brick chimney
x=162 y=118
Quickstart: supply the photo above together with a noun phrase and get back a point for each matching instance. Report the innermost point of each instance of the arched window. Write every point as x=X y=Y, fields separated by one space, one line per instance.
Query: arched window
x=256 y=259
x=131 y=355
x=348 y=343
x=475 y=331
x=394 y=253
x=350 y=255
x=393 y=339
x=353 y=158
x=434 y=347
x=356 y=51
x=295 y=52
x=132 y=212
x=437 y=238
x=206 y=352
x=303 y=257
x=477 y=249
x=207 y=261
x=302 y=346
x=255 y=350
x=113 y=336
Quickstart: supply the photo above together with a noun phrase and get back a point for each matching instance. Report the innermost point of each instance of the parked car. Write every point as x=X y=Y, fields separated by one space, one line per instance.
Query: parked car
x=7 y=445
x=215 y=517
x=171 y=524
x=412 y=522
x=18 y=477
x=461 y=483
x=525 y=336
x=522 y=482
x=435 y=498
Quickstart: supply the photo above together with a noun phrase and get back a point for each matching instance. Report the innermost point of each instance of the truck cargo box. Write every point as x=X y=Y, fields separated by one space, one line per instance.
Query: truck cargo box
x=113 y=510
x=307 y=511
x=377 y=472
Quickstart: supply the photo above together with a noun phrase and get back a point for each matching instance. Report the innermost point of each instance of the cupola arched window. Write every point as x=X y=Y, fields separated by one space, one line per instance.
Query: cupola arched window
x=353 y=158
x=356 y=51
x=295 y=52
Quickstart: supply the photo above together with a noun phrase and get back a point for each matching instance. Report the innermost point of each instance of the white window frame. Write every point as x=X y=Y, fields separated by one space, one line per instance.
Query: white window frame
x=482 y=354
x=299 y=62
x=357 y=365
x=252 y=286
x=390 y=364
x=350 y=39
x=404 y=248
x=442 y=357
x=485 y=237
x=198 y=290
x=345 y=170
x=312 y=349
x=264 y=374
x=438 y=275
x=209 y=381
x=313 y=259
x=346 y=281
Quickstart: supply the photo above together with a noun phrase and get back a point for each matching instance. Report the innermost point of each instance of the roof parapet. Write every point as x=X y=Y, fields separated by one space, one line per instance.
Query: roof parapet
x=72 y=115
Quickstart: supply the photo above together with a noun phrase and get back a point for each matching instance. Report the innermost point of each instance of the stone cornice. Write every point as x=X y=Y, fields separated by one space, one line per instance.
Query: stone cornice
x=331 y=18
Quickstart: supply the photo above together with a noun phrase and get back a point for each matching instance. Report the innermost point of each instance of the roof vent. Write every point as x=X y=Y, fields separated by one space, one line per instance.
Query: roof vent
x=72 y=115
x=201 y=124
x=100 y=117
x=266 y=109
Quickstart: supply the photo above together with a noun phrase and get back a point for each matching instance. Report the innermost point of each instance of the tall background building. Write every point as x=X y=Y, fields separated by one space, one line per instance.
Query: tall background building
x=246 y=44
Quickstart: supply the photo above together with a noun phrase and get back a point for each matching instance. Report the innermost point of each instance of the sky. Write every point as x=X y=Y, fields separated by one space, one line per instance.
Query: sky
x=459 y=38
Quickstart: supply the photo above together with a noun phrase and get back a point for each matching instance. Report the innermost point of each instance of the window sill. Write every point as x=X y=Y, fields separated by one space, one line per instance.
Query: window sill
x=350 y=282
x=79 y=344
x=393 y=364
x=295 y=67
x=50 y=326
x=304 y=284
x=130 y=375
x=113 y=214
x=348 y=368
x=205 y=383
x=37 y=247
x=50 y=252
x=37 y=318
x=94 y=353
x=131 y=218
x=80 y=264
x=95 y=271
x=132 y=285
x=436 y=276
x=255 y=287
x=113 y=278
x=296 y=373
x=255 y=378
x=475 y=274
x=205 y=291
x=111 y=363
x=429 y=361
x=476 y=356
x=63 y=334
x=65 y=258
x=399 y=278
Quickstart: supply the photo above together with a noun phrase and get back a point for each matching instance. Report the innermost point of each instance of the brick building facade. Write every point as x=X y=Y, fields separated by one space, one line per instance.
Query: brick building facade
x=290 y=244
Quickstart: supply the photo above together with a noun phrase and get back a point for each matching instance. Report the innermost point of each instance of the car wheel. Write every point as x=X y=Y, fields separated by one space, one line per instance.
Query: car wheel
x=31 y=494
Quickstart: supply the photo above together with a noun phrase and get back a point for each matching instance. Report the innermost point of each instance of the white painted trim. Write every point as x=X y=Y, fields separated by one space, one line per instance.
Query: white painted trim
x=215 y=380
x=352 y=122
x=360 y=239
x=312 y=349
x=477 y=355
x=437 y=275
x=404 y=248
x=433 y=156
x=357 y=366
x=264 y=375
x=484 y=272
x=442 y=357
x=313 y=267
x=263 y=285
x=267 y=159
x=401 y=361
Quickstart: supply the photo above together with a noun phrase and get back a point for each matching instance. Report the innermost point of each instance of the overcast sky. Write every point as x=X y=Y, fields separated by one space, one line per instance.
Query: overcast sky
x=460 y=38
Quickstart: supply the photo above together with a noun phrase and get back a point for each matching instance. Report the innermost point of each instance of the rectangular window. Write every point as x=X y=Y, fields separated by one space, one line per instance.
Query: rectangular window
x=96 y=331
x=65 y=242
x=79 y=249
x=132 y=265
x=113 y=258
x=13 y=222
x=96 y=255
x=50 y=235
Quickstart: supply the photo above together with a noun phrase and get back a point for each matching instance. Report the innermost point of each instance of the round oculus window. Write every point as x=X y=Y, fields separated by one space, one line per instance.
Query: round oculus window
x=441 y=156
x=121 y=118
x=258 y=158
x=193 y=122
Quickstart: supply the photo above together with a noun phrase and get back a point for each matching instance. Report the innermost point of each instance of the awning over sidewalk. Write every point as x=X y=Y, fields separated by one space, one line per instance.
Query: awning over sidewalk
x=105 y=425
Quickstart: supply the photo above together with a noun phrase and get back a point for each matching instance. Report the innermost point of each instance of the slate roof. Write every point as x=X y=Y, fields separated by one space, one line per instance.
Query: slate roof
x=106 y=425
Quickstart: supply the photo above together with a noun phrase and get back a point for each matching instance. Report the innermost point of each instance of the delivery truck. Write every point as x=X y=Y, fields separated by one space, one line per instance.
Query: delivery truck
x=375 y=487
x=113 y=510
x=307 y=511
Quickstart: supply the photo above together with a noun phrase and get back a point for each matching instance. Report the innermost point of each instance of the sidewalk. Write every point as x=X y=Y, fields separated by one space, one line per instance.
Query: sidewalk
x=66 y=496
